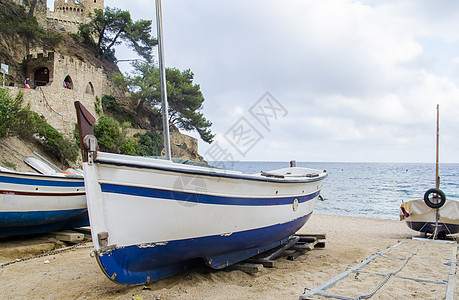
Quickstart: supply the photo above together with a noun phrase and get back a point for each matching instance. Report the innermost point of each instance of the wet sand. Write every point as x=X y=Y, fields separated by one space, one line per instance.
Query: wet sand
x=73 y=274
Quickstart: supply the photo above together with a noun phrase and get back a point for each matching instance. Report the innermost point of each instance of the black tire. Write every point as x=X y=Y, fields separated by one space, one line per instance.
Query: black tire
x=436 y=203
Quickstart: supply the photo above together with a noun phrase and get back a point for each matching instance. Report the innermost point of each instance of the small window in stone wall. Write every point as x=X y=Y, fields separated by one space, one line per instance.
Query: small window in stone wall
x=68 y=84
x=89 y=88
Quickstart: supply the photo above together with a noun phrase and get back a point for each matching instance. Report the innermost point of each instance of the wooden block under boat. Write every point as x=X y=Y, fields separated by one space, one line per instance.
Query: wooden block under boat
x=69 y=236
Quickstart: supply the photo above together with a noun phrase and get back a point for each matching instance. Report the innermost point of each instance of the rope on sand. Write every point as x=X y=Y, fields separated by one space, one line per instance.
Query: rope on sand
x=320 y=290
x=53 y=252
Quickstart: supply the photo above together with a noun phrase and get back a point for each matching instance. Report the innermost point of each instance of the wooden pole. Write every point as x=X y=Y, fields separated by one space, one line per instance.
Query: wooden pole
x=437 y=177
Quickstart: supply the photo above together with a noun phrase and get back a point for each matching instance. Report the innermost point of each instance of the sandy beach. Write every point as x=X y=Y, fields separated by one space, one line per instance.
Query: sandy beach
x=73 y=274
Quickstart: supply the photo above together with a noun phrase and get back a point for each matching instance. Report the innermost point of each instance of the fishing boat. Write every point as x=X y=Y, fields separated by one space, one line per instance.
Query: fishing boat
x=437 y=220
x=434 y=214
x=151 y=217
x=32 y=203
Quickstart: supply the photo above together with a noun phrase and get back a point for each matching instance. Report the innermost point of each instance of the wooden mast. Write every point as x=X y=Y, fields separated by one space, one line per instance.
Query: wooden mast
x=437 y=177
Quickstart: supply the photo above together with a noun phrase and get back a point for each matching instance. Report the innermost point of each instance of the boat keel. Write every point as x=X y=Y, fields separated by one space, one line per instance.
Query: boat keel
x=227 y=259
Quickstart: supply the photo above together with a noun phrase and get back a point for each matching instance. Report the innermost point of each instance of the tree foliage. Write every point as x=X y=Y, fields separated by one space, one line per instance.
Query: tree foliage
x=149 y=144
x=9 y=109
x=111 y=28
x=108 y=133
x=111 y=137
x=185 y=102
x=184 y=97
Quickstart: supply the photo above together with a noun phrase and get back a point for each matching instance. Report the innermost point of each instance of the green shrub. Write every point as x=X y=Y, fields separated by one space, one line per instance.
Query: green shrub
x=9 y=108
x=128 y=147
x=28 y=123
x=76 y=135
x=97 y=106
x=110 y=105
x=150 y=144
x=8 y=164
x=113 y=109
x=108 y=133
x=55 y=143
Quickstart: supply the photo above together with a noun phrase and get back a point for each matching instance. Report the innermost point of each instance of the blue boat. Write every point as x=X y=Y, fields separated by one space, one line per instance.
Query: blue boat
x=32 y=203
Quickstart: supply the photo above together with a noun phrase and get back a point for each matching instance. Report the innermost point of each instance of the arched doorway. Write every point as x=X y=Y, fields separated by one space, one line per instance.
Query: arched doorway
x=41 y=76
x=68 y=83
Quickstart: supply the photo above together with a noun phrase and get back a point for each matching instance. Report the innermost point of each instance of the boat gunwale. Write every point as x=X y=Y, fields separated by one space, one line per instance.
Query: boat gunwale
x=59 y=176
x=177 y=169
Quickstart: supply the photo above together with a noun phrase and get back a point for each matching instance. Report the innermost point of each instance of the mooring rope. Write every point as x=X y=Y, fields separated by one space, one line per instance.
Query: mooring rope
x=52 y=252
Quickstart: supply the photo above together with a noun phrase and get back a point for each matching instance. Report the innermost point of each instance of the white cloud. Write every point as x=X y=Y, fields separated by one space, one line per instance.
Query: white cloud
x=360 y=79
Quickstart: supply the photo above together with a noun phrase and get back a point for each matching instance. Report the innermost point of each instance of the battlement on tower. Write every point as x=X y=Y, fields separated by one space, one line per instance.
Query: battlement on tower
x=68 y=15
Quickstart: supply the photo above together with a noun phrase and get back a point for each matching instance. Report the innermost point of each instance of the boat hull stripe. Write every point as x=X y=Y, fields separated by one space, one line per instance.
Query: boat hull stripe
x=32 y=222
x=29 y=181
x=202 y=198
x=41 y=194
x=429 y=227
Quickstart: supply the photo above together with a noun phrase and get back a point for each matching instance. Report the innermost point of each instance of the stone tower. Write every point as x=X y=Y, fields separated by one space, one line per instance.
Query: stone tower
x=69 y=14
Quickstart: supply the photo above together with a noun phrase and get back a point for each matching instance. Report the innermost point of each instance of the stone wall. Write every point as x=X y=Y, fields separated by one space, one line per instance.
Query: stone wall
x=56 y=106
x=55 y=102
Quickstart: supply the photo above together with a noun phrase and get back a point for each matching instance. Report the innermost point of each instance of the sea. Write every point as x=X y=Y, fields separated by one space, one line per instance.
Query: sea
x=370 y=190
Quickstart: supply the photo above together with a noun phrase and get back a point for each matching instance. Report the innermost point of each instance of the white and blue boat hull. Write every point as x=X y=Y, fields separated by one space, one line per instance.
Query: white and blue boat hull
x=33 y=203
x=151 y=218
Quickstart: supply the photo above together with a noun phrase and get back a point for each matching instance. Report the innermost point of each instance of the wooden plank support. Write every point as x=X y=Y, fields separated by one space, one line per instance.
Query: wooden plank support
x=299 y=243
x=247 y=267
x=69 y=236
x=319 y=236
x=278 y=252
x=320 y=244
x=85 y=230
x=307 y=239
x=306 y=246
x=295 y=254
x=265 y=262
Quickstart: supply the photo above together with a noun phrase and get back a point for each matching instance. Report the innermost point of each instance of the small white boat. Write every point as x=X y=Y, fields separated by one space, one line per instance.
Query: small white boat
x=32 y=203
x=423 y=218
x=434 y=214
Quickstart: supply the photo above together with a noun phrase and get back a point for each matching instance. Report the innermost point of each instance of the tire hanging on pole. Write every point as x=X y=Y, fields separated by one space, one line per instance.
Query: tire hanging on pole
x=437 y=194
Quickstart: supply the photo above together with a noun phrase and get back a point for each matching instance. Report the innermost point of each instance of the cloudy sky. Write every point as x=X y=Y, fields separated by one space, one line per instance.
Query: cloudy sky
x=328 y=80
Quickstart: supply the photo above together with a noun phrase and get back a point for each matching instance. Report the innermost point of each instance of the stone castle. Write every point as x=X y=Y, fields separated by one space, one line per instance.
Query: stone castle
x=67 y=14
x=57 y=80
